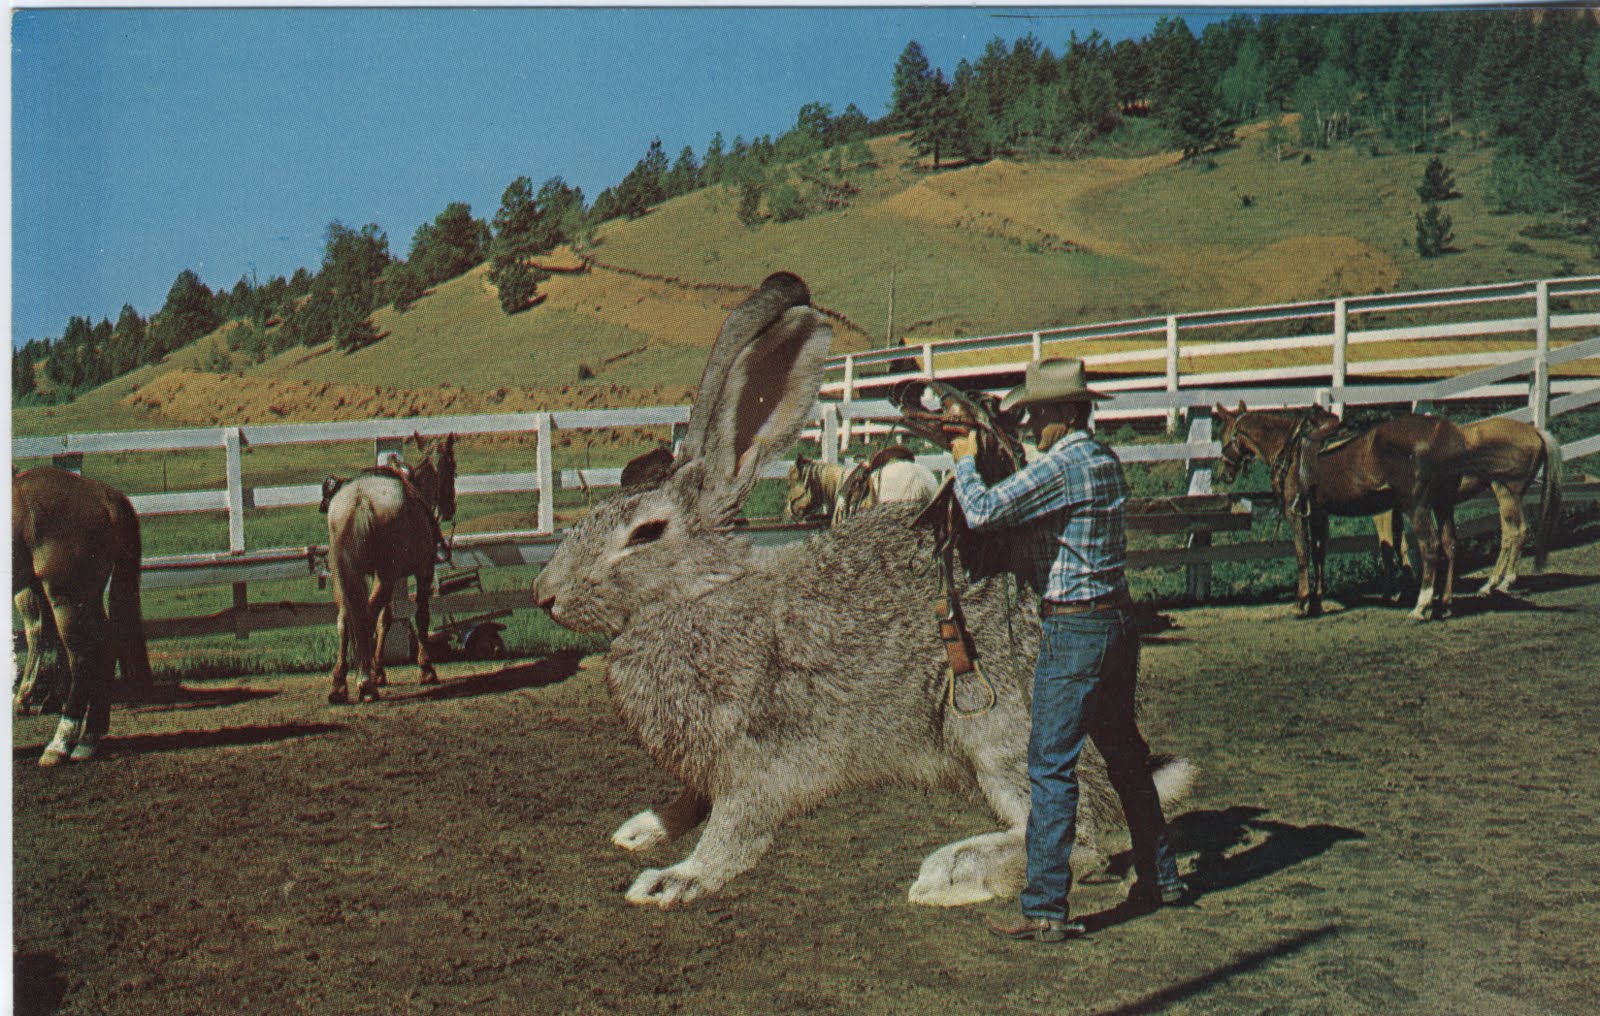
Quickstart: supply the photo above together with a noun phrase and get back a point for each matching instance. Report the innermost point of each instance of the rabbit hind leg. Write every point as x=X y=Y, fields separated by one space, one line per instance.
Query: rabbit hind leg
x=981 y=867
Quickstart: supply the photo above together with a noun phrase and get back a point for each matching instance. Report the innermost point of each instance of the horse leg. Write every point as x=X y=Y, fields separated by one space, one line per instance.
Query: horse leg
x=382 y=618
x=1513 y=530
x=1304 y=603
x=81 y=621
x=1445 y=517
x=340 y=694
x=419 y=623
x=376 y=631
x=1428 y=551
x=1393 y=559
x=1318 y=525
x=31 y=606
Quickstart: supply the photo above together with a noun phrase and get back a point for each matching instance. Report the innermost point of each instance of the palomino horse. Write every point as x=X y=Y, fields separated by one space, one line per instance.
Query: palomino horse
x=385 y=523
x=835 y=491
x=69 y=537
x=1411 y=464
x=1503 y=455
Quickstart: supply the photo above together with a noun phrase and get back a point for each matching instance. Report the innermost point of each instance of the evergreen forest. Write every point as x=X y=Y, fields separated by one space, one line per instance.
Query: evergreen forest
x=1523 y=83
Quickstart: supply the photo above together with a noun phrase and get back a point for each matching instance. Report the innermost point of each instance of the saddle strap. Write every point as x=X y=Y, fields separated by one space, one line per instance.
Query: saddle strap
x=958 y=648
x=954 y=636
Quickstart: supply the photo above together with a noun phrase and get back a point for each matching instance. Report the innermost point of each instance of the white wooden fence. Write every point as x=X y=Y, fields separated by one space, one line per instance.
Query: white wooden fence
x=847 y=411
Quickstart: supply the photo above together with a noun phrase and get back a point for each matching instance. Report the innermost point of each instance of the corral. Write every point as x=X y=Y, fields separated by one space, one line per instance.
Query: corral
x=1396 y=820
x=1392 y=818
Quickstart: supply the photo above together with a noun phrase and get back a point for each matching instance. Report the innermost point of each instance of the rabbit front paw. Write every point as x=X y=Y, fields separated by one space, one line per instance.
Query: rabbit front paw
x=668 y=887
x=641 y=832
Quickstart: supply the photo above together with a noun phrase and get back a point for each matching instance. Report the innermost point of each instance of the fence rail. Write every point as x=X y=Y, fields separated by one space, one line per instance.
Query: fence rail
x=846 y=412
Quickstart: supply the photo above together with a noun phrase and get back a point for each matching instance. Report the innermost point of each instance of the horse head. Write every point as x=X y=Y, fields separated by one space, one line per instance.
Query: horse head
x=803 y=493
x=435 y=474
x=1236 y=451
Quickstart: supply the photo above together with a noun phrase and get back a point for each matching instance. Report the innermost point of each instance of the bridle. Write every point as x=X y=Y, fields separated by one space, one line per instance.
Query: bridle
x=1236 y=454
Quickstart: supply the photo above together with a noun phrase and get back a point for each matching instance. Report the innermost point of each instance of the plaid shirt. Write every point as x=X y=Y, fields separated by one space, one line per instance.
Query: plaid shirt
x=1072 y=498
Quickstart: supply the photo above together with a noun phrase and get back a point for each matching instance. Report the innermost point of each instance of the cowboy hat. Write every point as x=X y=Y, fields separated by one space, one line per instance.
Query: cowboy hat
x=1054 y=379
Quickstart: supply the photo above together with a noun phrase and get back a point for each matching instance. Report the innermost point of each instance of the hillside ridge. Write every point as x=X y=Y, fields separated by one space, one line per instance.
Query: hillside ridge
x=997 y=246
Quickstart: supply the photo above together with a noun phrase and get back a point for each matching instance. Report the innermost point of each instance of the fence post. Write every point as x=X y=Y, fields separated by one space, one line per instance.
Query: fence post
x=927 y=359
x=387 y=449
x=1197 y=576
x=1341 y=349
x=232 y=442
x=547 y=476
x=1038 y=346
x=829 y=440
x=849 y=397
x=1172 y=369
x=1539 y=392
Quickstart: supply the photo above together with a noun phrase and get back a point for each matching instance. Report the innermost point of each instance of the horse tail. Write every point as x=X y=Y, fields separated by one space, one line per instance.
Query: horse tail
x=349 y=531
x=125 y=615
x=1549 y=499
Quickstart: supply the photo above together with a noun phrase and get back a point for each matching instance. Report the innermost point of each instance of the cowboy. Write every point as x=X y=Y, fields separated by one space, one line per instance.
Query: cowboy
x=1071 y=499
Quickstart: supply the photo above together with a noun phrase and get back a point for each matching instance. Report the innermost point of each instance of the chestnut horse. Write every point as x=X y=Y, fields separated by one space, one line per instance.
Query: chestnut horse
x=70 y=536
x=385 y=523
x=1411 y=464
x=1503 y=455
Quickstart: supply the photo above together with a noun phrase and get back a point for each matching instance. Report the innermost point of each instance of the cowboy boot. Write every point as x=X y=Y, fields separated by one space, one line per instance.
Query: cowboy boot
x=60 y=748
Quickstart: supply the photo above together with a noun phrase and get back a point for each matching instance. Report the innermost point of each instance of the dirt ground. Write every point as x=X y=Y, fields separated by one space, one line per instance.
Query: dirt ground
x=1392 y=817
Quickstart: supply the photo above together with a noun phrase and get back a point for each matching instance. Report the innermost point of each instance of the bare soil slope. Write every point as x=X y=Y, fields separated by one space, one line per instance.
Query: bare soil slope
x=1393 y=818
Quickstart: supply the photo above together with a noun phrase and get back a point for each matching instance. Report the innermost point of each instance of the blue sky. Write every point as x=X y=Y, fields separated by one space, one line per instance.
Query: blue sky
x=145 y=142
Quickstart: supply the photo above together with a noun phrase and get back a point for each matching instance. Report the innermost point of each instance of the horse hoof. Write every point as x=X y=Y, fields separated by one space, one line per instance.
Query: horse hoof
x=341 y=697
x=368 y=693
x=430 y=678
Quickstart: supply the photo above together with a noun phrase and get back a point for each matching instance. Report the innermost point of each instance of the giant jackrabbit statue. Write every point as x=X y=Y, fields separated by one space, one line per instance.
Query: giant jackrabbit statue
x=767 y=680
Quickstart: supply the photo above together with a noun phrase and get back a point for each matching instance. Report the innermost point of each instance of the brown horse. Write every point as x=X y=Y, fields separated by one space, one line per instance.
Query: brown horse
x=1411 y=464
x=1504 y=456
x=384 y=523
x=70 y=536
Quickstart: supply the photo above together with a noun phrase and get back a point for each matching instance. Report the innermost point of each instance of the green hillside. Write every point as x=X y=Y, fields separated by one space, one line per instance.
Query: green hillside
x=997 y=246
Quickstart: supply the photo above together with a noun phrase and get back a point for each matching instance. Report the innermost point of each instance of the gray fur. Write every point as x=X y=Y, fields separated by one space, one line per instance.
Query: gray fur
x=767 y=681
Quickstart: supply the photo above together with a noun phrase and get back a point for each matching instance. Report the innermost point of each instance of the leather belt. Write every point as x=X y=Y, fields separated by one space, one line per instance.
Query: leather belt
x=1051 y=608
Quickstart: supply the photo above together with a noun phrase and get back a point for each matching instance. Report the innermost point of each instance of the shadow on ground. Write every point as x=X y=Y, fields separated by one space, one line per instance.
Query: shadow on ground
x=540 y=674
x=1160 y=1001
x=1210 y=835
x=38 y=984
x=226 y=737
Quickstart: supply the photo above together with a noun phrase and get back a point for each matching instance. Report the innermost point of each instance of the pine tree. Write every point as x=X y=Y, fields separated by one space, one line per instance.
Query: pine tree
x=1433 y=232
x=451 y=244
x=913 y=76
x=1438 y=183
x=188 y=313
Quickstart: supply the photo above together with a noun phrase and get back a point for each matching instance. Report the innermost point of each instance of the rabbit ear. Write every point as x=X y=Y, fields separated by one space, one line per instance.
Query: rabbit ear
x=758 y=390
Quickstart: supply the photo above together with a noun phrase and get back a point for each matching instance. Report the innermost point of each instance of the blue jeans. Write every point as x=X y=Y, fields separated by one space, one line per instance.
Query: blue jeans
x=1083 y=686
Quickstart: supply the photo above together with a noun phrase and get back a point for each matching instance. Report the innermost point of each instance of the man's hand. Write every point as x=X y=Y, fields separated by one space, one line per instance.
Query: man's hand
x=964 y=446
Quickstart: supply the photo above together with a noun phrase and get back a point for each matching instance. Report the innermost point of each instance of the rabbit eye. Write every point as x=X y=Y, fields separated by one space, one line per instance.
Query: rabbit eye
x=647 y=532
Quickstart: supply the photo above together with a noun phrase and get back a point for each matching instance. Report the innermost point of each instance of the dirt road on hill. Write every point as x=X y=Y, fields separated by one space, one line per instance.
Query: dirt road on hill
x=1392 y=818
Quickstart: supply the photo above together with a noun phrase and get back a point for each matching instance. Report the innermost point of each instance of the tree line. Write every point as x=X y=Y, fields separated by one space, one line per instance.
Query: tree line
x=1526 y=82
